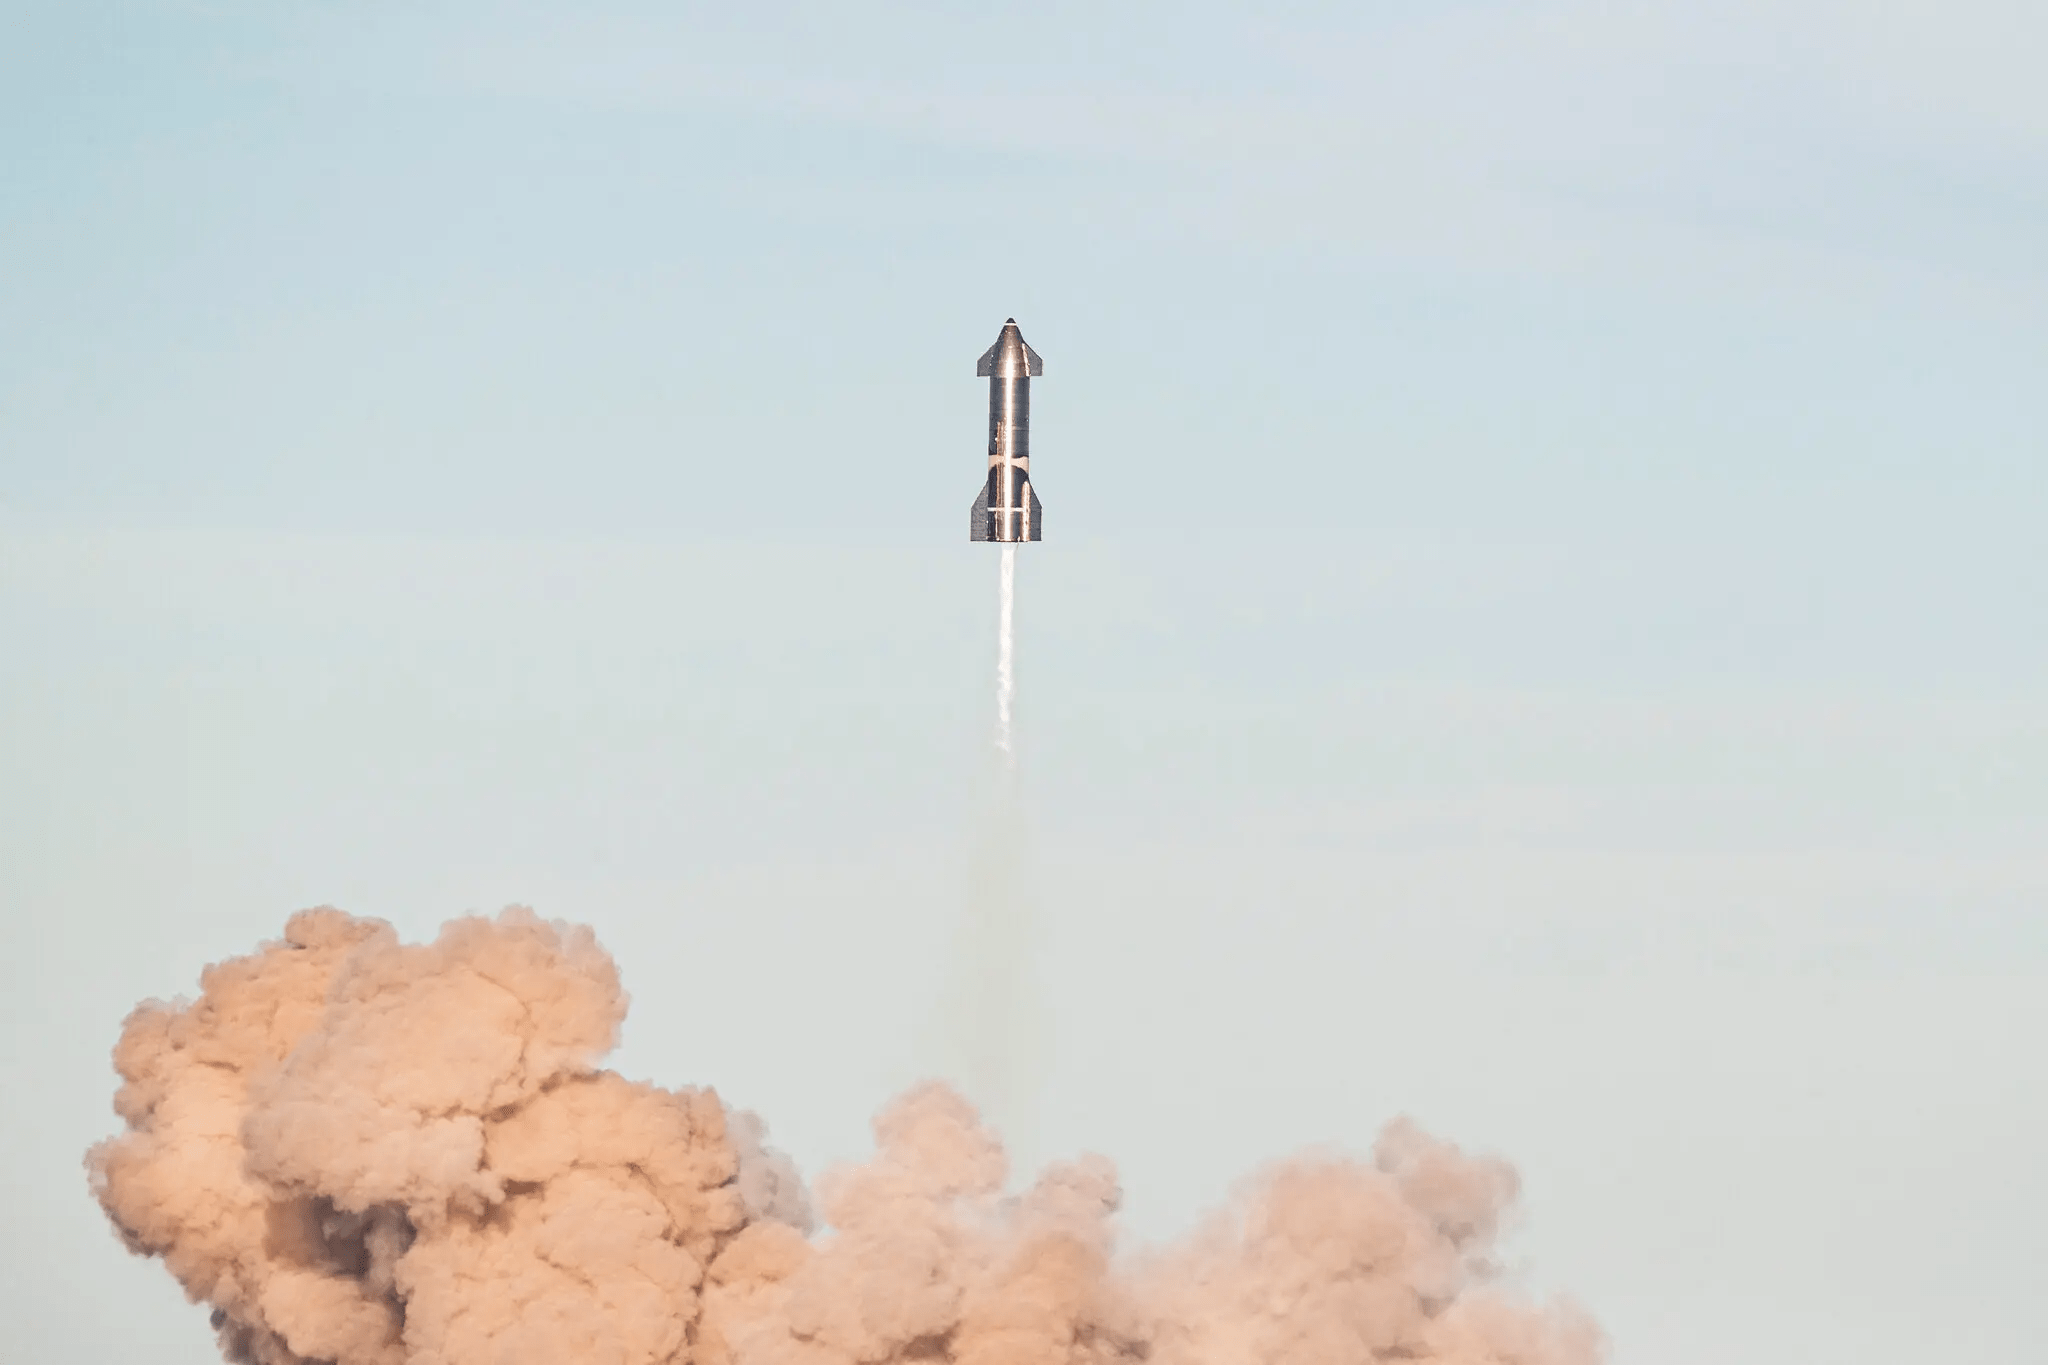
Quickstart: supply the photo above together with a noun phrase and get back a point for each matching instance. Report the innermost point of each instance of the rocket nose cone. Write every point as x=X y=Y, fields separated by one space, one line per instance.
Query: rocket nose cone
x=1009 y=357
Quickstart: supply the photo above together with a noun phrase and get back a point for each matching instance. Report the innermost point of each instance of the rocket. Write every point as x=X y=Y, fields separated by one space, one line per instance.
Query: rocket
x=1006 y=509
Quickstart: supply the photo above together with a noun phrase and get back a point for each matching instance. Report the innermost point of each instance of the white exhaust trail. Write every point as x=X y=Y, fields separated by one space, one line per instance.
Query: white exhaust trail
x=1006 y=657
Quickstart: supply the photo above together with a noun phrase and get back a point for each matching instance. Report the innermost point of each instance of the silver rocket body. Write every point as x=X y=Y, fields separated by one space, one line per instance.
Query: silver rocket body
x=1007 y=510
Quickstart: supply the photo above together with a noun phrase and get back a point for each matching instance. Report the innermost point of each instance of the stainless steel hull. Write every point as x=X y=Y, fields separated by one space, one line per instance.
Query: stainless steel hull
x=1007 y=508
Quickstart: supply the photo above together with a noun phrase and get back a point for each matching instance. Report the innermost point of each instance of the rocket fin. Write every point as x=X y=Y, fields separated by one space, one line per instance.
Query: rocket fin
x=985 y=368
x=1027 y=525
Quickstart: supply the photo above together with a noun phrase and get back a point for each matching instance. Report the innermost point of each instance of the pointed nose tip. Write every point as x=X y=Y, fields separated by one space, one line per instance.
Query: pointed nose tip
x=1009 y=322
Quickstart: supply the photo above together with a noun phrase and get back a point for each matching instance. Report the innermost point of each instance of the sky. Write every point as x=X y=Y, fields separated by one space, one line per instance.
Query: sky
x=1539 y=628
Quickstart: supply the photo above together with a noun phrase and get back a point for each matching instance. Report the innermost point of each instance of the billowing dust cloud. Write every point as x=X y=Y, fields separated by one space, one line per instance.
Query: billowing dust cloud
x=373 y=1153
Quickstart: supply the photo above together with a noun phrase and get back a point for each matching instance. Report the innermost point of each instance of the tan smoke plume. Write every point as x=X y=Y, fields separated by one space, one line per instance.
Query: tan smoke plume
x=373 y=1153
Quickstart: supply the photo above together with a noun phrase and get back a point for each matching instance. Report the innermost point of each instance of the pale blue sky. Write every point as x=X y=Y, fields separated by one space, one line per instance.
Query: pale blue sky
x=1541 y=627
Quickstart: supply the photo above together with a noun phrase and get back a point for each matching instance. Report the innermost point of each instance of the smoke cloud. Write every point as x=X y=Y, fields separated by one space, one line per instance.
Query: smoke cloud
x=371 y=1153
